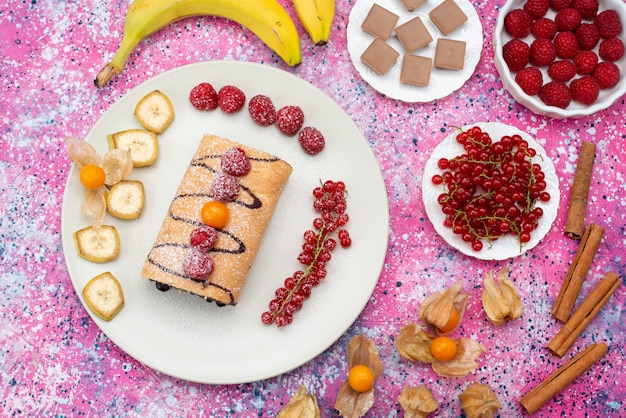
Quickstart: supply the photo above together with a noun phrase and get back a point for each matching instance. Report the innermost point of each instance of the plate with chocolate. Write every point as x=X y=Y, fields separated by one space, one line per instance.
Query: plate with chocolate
x=415 y=51
x=203 y=324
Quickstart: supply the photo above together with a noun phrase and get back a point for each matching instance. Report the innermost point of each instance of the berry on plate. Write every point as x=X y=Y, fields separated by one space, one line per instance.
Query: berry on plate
x=518 y=23
x=586 y=62
x=311 y=140
x=607 y=74
x=203 y=97
x=566 y=45
x=555 y=93
x=588 y=36
x=608 y=24
x=537 y=8
x=584 y=90
x=568 y=19
x=563 y=70
x=611 y=49
x=587 y=8
x=530 y=80
x=262 y=110
x=558 y=5
x=516 y=54
x=289 y=120
x=542 y=52
x=231 y=99
x=544 y=28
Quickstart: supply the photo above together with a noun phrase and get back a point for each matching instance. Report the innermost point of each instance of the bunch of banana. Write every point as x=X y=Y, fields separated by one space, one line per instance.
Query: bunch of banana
x=265 y=18
x=316 y=17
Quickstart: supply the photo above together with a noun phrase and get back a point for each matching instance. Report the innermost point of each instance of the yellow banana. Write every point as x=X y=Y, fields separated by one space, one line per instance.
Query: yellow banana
x=316 y=17
x=265 y=18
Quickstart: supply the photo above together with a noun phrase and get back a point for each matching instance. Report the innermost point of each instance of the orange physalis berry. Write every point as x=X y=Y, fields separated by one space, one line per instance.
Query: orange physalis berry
x=215 y=214
x=443 y=348
x=92 y=176
x=453 y=321
x=361 y=378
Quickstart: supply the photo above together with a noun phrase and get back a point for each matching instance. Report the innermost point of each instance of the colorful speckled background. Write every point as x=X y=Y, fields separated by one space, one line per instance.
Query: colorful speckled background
x=55 y=360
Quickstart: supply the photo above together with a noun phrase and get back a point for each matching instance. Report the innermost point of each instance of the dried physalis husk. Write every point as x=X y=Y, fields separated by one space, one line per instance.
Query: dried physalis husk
x=417 y=402
x=301 y=405
x=479 y=401
x=444 y=310
x=500 y=300
x=351 y=403
x=414 y=343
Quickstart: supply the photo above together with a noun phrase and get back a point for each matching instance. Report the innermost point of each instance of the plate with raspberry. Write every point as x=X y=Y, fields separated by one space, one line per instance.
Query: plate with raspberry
x=562 y=58
x=490 y=191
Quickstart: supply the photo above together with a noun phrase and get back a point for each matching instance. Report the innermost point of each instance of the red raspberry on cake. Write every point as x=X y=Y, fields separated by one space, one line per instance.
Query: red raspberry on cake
x=537 y=8
x=585 y=62
x=558 y=5
x=584 y=90
x=608 y=24
x=555 y=93
x=262 y=110
x=542 y=52
x=516 y=54
x=544 y=28
x=588 y=36
x=289 y=120
x=562 y=71
x=568 y=19
x=530 y=80
x=587 y=8
x=231 y=99
x=311 y=140
x=518 y=23
x=566 y=45
x=198 y=265
x=203 y=97
x=235 y=162
x=611 y=49
x=203 y=238
x=606 y=74
x=224 y=188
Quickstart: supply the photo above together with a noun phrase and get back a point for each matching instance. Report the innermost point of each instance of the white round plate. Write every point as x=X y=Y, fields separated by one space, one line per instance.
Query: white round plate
x=181 y=334
x=507 y=246
x=442 y=81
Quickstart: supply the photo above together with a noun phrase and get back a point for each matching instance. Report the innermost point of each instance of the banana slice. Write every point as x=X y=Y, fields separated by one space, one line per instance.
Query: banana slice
x=125 y=199
x=143 y=145
x=103 y=294
x=155 y=112
x=98 y=244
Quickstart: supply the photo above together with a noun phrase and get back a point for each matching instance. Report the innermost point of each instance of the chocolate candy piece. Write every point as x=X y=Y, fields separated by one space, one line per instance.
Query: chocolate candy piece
x=416 y=70
x=413 y=35
x=447 y=16
x=380 y=22
x=411 y=5
x=450 y=54
x=379 y=56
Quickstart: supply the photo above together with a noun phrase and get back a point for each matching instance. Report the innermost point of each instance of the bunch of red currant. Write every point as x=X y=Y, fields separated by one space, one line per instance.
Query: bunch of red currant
x=492 y=189
x=330 y=202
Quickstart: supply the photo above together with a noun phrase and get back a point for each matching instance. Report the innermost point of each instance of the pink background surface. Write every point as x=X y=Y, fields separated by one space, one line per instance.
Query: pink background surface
x=56 y=361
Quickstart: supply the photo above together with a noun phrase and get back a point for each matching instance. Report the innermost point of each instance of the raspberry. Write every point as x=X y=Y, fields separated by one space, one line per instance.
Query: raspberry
x=203 y=238
x=203 y=97
x=516 y=54
x=262 y=110
x=586 y=62
x=537 y=8
x=544 y=28
x=555 y=93
x=225 y=188
x=588 y=36
x=198 y=265
x=530 y=80
x=585 y=90
x=231 y=99
x=587 y=8
x=311 y=140
x=607 y=74
x=517 y=23
x=611 y=49
x=558 y=5
x=289 y=120
x=235 y=162
x=608 y=24
x=566 y=45
x=562 y=71
x=568 y=19
x=542 y=52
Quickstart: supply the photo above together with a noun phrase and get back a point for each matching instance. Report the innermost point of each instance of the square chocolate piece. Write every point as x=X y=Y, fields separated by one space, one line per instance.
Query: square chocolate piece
x=380 y=22
x=416 y=70
x=379 y=56
x=450 y=54
x=413 y=35
x=411 y=5
x=447 y=16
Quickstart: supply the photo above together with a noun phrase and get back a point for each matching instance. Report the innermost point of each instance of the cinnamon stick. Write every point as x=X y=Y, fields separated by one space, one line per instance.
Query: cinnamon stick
x=562 y=377
x=590 y=307
x=577 y=272
x=575 y=221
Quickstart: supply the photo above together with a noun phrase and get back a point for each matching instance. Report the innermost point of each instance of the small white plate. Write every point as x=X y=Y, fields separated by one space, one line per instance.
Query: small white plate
x=442 y=81
x=507 y=246
x=181 y=334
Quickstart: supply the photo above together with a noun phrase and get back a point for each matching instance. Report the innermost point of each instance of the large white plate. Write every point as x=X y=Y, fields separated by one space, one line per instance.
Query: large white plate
x=507 y=246
x=442 y=81
x=184 y=336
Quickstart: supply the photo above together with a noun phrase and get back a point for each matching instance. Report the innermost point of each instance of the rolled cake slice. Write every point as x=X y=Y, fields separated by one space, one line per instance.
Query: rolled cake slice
x=238 y=242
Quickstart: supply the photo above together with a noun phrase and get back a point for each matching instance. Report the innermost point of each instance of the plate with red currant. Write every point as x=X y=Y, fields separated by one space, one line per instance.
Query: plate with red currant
x=490 y=190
